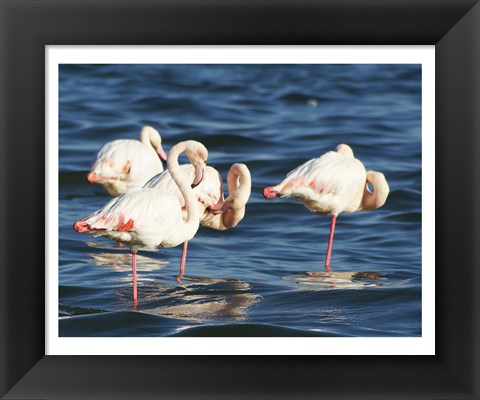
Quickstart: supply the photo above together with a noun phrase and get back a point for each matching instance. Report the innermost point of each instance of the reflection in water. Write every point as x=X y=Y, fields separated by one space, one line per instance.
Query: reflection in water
x=196 y=299
x=200 y=300
x=118 y=246
x=315 y=280
x=123 y=262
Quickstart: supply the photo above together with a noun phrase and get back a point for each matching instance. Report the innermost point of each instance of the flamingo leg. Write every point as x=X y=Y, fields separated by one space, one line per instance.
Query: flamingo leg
x=134 y=275
x=184 y=258
x=182 y=262
x=330 y=243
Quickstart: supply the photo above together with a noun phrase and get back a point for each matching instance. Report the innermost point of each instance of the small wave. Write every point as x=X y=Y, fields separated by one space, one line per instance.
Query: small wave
x=163 y=104
x=300 y=98
x=68 y=311
x=406 y=217
x=119 y=324
x=249 y=330
x=229 y=140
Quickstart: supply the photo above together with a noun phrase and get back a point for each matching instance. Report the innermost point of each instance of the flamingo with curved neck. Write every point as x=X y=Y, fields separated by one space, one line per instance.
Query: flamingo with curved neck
x=126 y=163
x=228 y=214
x=215 y=212
x=334 y=183
x=151 y=217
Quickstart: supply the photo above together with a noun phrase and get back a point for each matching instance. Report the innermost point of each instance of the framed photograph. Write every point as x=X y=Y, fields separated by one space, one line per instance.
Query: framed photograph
x=400 y=281
x=284 y=289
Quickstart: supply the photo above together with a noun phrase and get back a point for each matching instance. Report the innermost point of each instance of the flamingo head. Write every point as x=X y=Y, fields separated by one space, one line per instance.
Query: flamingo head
x=197 y=154
x=151 y=135
x=270 y=192
x=345 y=149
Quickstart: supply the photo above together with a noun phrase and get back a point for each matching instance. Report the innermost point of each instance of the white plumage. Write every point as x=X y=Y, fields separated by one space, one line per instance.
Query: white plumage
x=330 y=184
x=150 y=217
x=208 y=192
x=334 y=183
x=229 y=213
x=127 y=163
x=215 y=212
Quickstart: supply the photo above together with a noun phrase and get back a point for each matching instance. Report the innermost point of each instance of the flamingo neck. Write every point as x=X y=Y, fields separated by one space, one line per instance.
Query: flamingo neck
x=377 y=198
x=239 y=188
x=193 y=214
x=239 y=185
x=231 y=218
x=150 y=137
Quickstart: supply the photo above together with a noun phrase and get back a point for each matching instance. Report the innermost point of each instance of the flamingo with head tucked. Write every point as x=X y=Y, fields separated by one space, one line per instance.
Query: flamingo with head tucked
x=334 y=183
x=126 y=163
x=215 y=212
x=151 y=217
x=228 y=214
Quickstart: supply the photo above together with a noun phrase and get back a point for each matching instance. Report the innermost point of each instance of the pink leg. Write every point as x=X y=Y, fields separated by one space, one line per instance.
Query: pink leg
x=330 y=243
x=184 y=258
x=182 y=263
x=134 y=275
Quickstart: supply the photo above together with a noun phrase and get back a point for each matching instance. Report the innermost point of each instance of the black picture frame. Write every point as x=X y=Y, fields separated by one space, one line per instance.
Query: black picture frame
x=453 y=26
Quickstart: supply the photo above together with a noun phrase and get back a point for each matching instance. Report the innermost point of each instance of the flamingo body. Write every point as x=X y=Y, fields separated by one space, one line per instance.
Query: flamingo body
x=215 y=212
x=140 y=218
x=151 y=217
x=334 y=183
x=126 y=163
x=331 y=184
x=208 y=193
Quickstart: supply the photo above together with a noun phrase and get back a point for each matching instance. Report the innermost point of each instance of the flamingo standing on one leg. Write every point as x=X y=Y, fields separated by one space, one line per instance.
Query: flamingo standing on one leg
x=215 y=212
x=334 y=183
x=208 y=194
x=151 y=217
x=126 y=163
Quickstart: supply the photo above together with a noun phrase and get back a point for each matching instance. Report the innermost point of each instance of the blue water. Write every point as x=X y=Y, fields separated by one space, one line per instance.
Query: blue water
x=266 y=276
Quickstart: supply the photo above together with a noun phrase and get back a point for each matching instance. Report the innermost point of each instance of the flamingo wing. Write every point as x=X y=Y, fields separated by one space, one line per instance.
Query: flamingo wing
x=143 y=217
x=330 y=184
x=208 y=193
x=124 y=163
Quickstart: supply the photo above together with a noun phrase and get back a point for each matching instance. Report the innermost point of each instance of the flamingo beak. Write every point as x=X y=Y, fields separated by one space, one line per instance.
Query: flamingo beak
x=81 y=226
x=162 y=153
x=270 y=192
x=220 y=208
x=199 y=174
x=92 y=177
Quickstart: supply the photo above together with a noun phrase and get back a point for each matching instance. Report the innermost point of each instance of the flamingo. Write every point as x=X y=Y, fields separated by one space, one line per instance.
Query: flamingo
x=334 y=183
x=126 y=163
x=215 y=212
x=208 y=192
x=151 y=217
x=228 y=214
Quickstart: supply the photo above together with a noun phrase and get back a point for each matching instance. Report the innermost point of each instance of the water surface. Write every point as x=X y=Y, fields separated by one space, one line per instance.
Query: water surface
x=266 y=276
